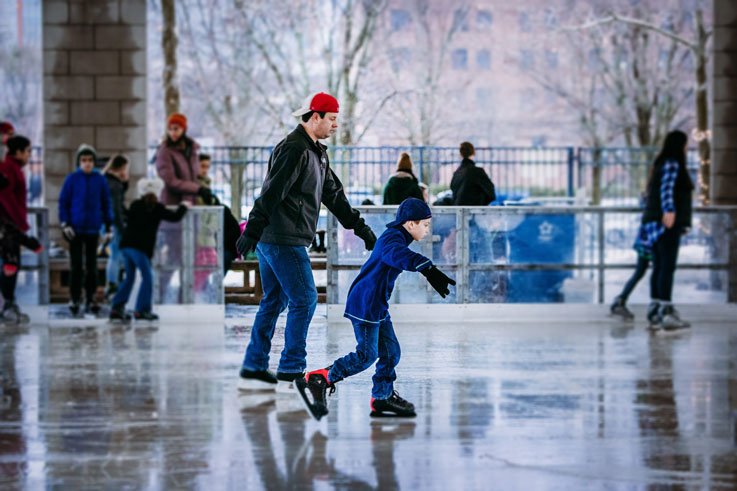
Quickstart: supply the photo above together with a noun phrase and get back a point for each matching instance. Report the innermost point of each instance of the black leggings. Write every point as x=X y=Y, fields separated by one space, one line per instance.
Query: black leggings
x=640 y=270
x=87 y=245
x=665 y=257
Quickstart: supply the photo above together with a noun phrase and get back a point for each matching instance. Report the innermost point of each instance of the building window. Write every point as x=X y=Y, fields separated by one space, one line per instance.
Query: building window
x=526 y=59
x=484 y=18
x=550 y=19
x=459 y=59
x=525 y=23
x=400 y=58
x=539 y=140
x=527 y=99
x=483 y=59
x=483 y=97
x=551 y=58
x=460 y=20
x=594 y=62
x=400 y=19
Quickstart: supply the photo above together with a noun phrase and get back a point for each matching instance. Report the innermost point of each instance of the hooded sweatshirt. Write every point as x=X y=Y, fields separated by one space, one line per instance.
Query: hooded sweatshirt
x=13 y=196
x=84 y=202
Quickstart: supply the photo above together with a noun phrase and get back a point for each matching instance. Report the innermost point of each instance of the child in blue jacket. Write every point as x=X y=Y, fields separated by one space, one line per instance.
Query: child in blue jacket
x=84 y=206
x=367 y=307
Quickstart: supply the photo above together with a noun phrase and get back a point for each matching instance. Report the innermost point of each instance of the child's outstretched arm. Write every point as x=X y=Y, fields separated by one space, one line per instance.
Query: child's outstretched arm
x=397 y=255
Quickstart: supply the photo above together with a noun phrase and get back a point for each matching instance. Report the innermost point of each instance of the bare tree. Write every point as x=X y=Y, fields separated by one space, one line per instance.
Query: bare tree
x=169 y=43
x=697 y=47
x=20 y=97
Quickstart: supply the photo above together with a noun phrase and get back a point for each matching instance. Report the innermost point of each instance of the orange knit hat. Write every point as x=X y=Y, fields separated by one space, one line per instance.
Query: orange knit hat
x=177 y=119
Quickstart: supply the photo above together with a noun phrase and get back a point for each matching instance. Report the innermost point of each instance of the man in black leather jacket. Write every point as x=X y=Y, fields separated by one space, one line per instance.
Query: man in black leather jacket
x=280 y=226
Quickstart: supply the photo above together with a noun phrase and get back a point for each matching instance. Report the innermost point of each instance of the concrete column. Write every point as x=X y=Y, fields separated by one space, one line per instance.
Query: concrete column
x=94 y=86
x=724 y=123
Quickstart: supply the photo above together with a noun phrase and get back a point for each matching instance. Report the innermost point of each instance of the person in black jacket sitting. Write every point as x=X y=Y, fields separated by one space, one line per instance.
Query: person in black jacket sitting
x=471 y=185
x=137 y=248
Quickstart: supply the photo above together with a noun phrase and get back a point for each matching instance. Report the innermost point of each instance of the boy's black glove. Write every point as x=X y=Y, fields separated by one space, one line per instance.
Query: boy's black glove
x=367 y=235
x=438 y=280
x=205 y=193
x=245 y=244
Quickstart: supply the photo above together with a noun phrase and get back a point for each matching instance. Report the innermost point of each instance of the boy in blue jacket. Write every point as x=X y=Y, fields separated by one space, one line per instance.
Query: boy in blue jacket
x=84 y=206
x=367 y=307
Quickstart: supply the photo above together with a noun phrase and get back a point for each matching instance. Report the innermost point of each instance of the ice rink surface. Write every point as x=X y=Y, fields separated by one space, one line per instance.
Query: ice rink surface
x=532 y=404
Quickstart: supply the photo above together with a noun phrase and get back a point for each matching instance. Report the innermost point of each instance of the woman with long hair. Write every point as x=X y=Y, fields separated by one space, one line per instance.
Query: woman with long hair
x=116 y=172
x=667 y=216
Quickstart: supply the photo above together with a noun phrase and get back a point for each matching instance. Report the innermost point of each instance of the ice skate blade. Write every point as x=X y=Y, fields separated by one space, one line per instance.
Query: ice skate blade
x=251 y=384
x=628 y=320
x=384 y=415
x=317 y=411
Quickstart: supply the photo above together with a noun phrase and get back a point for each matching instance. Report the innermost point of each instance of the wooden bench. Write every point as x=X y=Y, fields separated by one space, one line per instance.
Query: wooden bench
x=59 y=269
x=251 y=292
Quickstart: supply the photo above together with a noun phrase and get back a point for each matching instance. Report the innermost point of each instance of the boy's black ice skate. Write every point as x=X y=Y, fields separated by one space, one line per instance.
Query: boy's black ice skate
x=393 y=407
x=619 y=309
x=256 y=380
x=11 y=314
x=92 y=308
x=313 y=389
x=145 y=316
x=74 y=308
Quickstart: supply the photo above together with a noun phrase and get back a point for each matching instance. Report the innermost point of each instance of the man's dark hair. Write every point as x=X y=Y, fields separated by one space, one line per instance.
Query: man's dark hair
x=17 y=143
x=306 y=116
x=204 y=156
x=467 y=150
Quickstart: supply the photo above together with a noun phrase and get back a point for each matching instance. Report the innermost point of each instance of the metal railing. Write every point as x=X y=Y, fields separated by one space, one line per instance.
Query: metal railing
x=533 y=254
x=33 y=281
x=188 y=262
x=609 y=175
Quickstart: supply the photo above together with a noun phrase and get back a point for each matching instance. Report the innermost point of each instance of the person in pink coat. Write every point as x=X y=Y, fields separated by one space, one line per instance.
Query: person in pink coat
x=177 y=164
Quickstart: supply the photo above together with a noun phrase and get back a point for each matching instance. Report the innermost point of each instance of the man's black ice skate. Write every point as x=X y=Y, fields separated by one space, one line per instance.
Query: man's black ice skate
x=118 y=314
x=619 y=309
x=256 y=380
x=11 y=314
x=145 y=316
x=313 y=389
x=285 y=381
x=394 y=407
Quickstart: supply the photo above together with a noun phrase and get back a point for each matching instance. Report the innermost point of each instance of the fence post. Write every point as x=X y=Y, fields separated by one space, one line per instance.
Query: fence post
x=422 y=161
x=732 y=258
x=571 y=191
x=601 y=256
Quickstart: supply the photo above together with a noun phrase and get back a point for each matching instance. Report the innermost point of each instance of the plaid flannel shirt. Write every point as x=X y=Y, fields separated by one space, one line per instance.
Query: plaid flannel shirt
x=650 y=232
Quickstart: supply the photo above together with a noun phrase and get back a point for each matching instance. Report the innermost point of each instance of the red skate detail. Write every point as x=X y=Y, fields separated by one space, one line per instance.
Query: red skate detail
x=372 y=404
x=323 y=371
x=10 y=269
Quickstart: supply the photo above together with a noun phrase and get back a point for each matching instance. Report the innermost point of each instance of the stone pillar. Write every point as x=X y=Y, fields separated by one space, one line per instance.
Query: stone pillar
x=724 y=125
x=94 y=86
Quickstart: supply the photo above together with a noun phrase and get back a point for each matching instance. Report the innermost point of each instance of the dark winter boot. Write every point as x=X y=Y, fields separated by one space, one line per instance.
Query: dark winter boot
x=118 y=313
x=619 y=309
x=395 y=406
x=256 y=380
x=74 y=308
x=653 y=315
x=92 y=308
x=11 y=314
x=145 y=316
x=670 y=320
x=313 y=389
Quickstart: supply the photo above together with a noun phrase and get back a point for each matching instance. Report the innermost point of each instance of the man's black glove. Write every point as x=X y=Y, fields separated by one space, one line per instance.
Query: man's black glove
x=245 y=244
x=438 y=280
x=33 y=244
x=367 y=235
x=205 y=193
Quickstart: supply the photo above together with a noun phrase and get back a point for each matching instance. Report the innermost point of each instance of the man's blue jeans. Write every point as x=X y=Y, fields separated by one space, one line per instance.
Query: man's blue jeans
x=373 y=341
x=286 y=277
x=135 y=259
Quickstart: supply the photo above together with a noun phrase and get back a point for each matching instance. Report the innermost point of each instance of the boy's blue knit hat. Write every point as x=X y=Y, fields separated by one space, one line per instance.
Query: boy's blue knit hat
x=411 y=209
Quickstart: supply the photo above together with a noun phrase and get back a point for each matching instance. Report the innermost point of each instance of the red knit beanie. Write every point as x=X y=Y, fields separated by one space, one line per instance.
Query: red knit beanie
x=177 y=119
